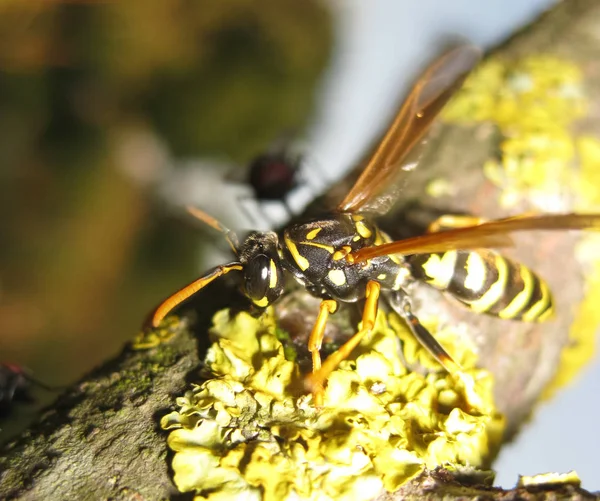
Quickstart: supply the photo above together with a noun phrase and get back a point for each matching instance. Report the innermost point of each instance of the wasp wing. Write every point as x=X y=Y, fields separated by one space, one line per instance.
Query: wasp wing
x=397 y=153
x=490 y=234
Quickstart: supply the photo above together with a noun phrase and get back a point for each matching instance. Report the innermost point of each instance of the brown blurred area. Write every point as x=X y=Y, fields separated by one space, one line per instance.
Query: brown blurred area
x=95 y=99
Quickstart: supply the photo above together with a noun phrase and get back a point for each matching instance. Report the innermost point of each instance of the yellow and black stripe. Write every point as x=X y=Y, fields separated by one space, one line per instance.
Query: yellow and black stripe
x=486 y=282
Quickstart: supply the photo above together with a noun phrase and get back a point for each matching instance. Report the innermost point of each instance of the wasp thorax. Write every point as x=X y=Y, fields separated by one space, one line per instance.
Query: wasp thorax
x=263 y=274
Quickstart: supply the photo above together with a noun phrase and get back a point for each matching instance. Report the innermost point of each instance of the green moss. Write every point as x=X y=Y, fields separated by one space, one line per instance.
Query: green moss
x=252 y=431
x=235 y=75
x=150 y=338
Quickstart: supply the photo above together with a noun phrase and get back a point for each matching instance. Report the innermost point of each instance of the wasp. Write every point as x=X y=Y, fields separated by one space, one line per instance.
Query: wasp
x=345 y=258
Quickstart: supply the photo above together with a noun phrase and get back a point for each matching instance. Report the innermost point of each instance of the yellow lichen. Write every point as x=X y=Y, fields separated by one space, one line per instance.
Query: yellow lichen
x=582 y=334
x=588 y=149
x=251 y=431
x=533 y=101
x=546 y=479
x=543 y=162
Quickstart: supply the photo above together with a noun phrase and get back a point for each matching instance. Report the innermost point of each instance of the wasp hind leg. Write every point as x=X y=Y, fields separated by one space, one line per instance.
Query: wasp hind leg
x=456 y=221
x=316 y=380
x=400 y=303
x=453 y=221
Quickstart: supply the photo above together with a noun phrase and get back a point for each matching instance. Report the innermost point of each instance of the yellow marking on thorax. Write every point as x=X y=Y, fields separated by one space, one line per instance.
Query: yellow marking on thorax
x=301 y=261
x=440 y=269
x=313 y=233
x=328 y=248
x=381 y=276
x=273 y=279
x=537 y=310
x=395 y=259
x=383 y=238
x=520 y=300
x=363 y=230
x=476 y=272
x=342 y=253
x=337 y=277
x=496 y=290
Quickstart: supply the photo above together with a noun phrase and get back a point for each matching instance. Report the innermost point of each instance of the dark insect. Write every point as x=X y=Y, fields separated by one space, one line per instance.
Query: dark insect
x=15 y=383
x=273 y=176
x=344 y=258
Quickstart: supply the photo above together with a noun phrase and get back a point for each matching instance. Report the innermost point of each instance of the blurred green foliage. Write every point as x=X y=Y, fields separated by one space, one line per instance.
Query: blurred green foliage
x=84 y=248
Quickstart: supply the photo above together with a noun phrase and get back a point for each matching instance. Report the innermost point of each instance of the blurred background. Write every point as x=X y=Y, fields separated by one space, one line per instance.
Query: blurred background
x=115 y=115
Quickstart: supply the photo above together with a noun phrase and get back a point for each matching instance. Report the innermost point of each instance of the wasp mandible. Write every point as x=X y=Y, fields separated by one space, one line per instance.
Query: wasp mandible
x=345 y=257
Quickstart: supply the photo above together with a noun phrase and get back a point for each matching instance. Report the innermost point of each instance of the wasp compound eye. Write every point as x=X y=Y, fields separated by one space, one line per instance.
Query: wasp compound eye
x=263 y=280
x=257 y=277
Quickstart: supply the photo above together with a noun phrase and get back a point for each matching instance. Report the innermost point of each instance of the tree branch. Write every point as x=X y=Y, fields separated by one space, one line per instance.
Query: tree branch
x=101 y=439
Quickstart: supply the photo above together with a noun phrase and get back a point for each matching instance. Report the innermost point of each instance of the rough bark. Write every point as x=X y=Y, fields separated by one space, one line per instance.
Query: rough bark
x=101 y=439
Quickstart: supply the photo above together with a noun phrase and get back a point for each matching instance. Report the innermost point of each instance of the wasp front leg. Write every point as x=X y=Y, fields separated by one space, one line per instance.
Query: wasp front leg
x=316 y=336
x=316 y=340
x=319 y=375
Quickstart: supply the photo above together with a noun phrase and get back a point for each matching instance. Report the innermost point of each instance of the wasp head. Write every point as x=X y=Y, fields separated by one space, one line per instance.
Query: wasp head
x=263 y=272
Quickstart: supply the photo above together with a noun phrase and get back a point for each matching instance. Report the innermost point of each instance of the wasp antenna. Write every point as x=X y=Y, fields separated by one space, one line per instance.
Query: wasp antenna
x=181 y=295
x=230 y=235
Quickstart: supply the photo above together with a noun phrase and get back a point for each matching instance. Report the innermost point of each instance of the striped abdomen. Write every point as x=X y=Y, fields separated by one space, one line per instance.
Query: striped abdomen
x=486 y=282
